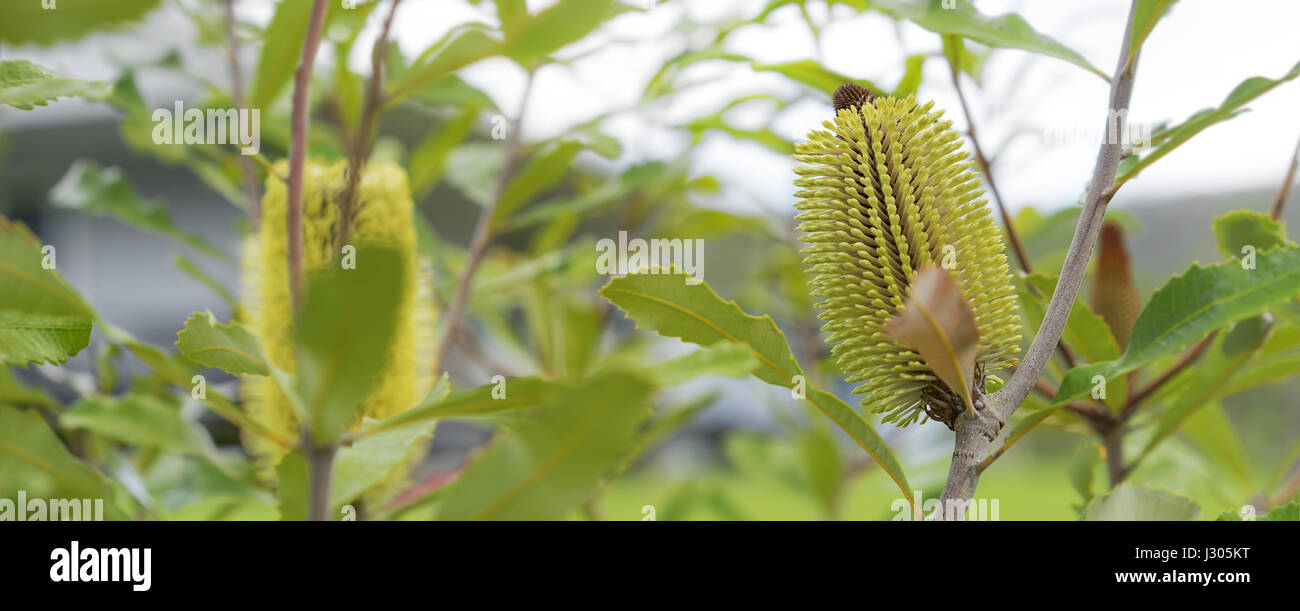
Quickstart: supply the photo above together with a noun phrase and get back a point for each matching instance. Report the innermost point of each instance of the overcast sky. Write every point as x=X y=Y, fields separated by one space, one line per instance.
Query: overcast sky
x=1193 y=59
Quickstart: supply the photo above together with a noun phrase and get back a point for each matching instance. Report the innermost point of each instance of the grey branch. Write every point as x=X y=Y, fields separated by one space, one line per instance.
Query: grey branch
x=975 y=435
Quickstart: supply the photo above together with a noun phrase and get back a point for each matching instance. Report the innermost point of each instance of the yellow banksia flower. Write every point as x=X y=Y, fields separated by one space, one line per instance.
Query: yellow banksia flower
x=384 y=215
x=885 y=190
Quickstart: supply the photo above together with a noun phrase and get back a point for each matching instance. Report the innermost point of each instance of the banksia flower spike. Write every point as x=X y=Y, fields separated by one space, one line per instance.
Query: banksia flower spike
x=383 y=214
x=889 y=203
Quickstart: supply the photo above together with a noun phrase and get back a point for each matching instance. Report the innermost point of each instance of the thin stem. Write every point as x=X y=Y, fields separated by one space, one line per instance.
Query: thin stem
x=1016 y=246
x=975 y=435
x=298 y=147
x=360 y=149
x=247 y=170
x=482 y=232
x=320 y=468
x=1112 y=438
x=1282 y=193
x=1151 y=387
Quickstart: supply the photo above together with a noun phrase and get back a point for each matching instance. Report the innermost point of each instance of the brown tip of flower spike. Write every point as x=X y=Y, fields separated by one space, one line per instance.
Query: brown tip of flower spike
x=851 y=95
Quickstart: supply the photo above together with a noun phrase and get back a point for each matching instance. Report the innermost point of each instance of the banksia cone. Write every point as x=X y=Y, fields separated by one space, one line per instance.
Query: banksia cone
x=884 y=191
x=384 y=216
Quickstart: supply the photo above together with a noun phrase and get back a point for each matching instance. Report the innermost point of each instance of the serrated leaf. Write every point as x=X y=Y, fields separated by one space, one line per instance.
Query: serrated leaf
x=1083 y=466
x=1241 y=228
x=26 y=85
x=138 y=419
x=937 y=322
x=1192 y=305
x=548 y=464
x=27 y=23
x=228 y=347
x=664 y=303
x=1129 y=503
x=723 y=359
x=42 y=319
x=1171 y=138
x=342 y=337
x=1008 y=31
x=105 y=192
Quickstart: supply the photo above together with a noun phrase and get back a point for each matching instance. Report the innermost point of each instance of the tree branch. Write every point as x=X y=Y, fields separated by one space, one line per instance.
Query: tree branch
x=298 y=147
x=975 y=435
x=1282 y=193
x=360 y=149
x=482 y=232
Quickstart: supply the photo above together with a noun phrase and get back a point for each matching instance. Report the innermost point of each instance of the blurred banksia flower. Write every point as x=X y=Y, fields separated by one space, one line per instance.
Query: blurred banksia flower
x=887 y=198
x=384 y=215
x=1114 y=295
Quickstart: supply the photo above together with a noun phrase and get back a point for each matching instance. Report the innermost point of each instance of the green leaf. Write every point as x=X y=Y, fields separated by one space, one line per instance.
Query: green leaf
x=292 y=477
x=1192 y=305
x=462 y=46
x=1007 y=31
x=227 y=347
x=34 y=459
x=528 y=40
x=372 y=459
x=662 y=82
x=723 y=359
x=1211 y=430
x=138 y=419
x=542 y=172
x=1171 y=138
x=1206 y=382
x=193 y=271
x=1240 y=228
x=482 y=402
x=451 y=90
x=822 y=465
x=664 y=303
x=282 y=43
x=1129 y=503
x=343 y=334
x=548 y=464
x=15 y=393
x=814 y=76
x=26 y=85
x=1145 y=15
x=42 y=319
x=1084 y=466
x=105 y=192
x=28 y=23
x=429 y=158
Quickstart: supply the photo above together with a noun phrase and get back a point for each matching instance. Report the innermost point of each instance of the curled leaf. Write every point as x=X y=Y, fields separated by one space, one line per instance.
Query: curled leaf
x=938 y=323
